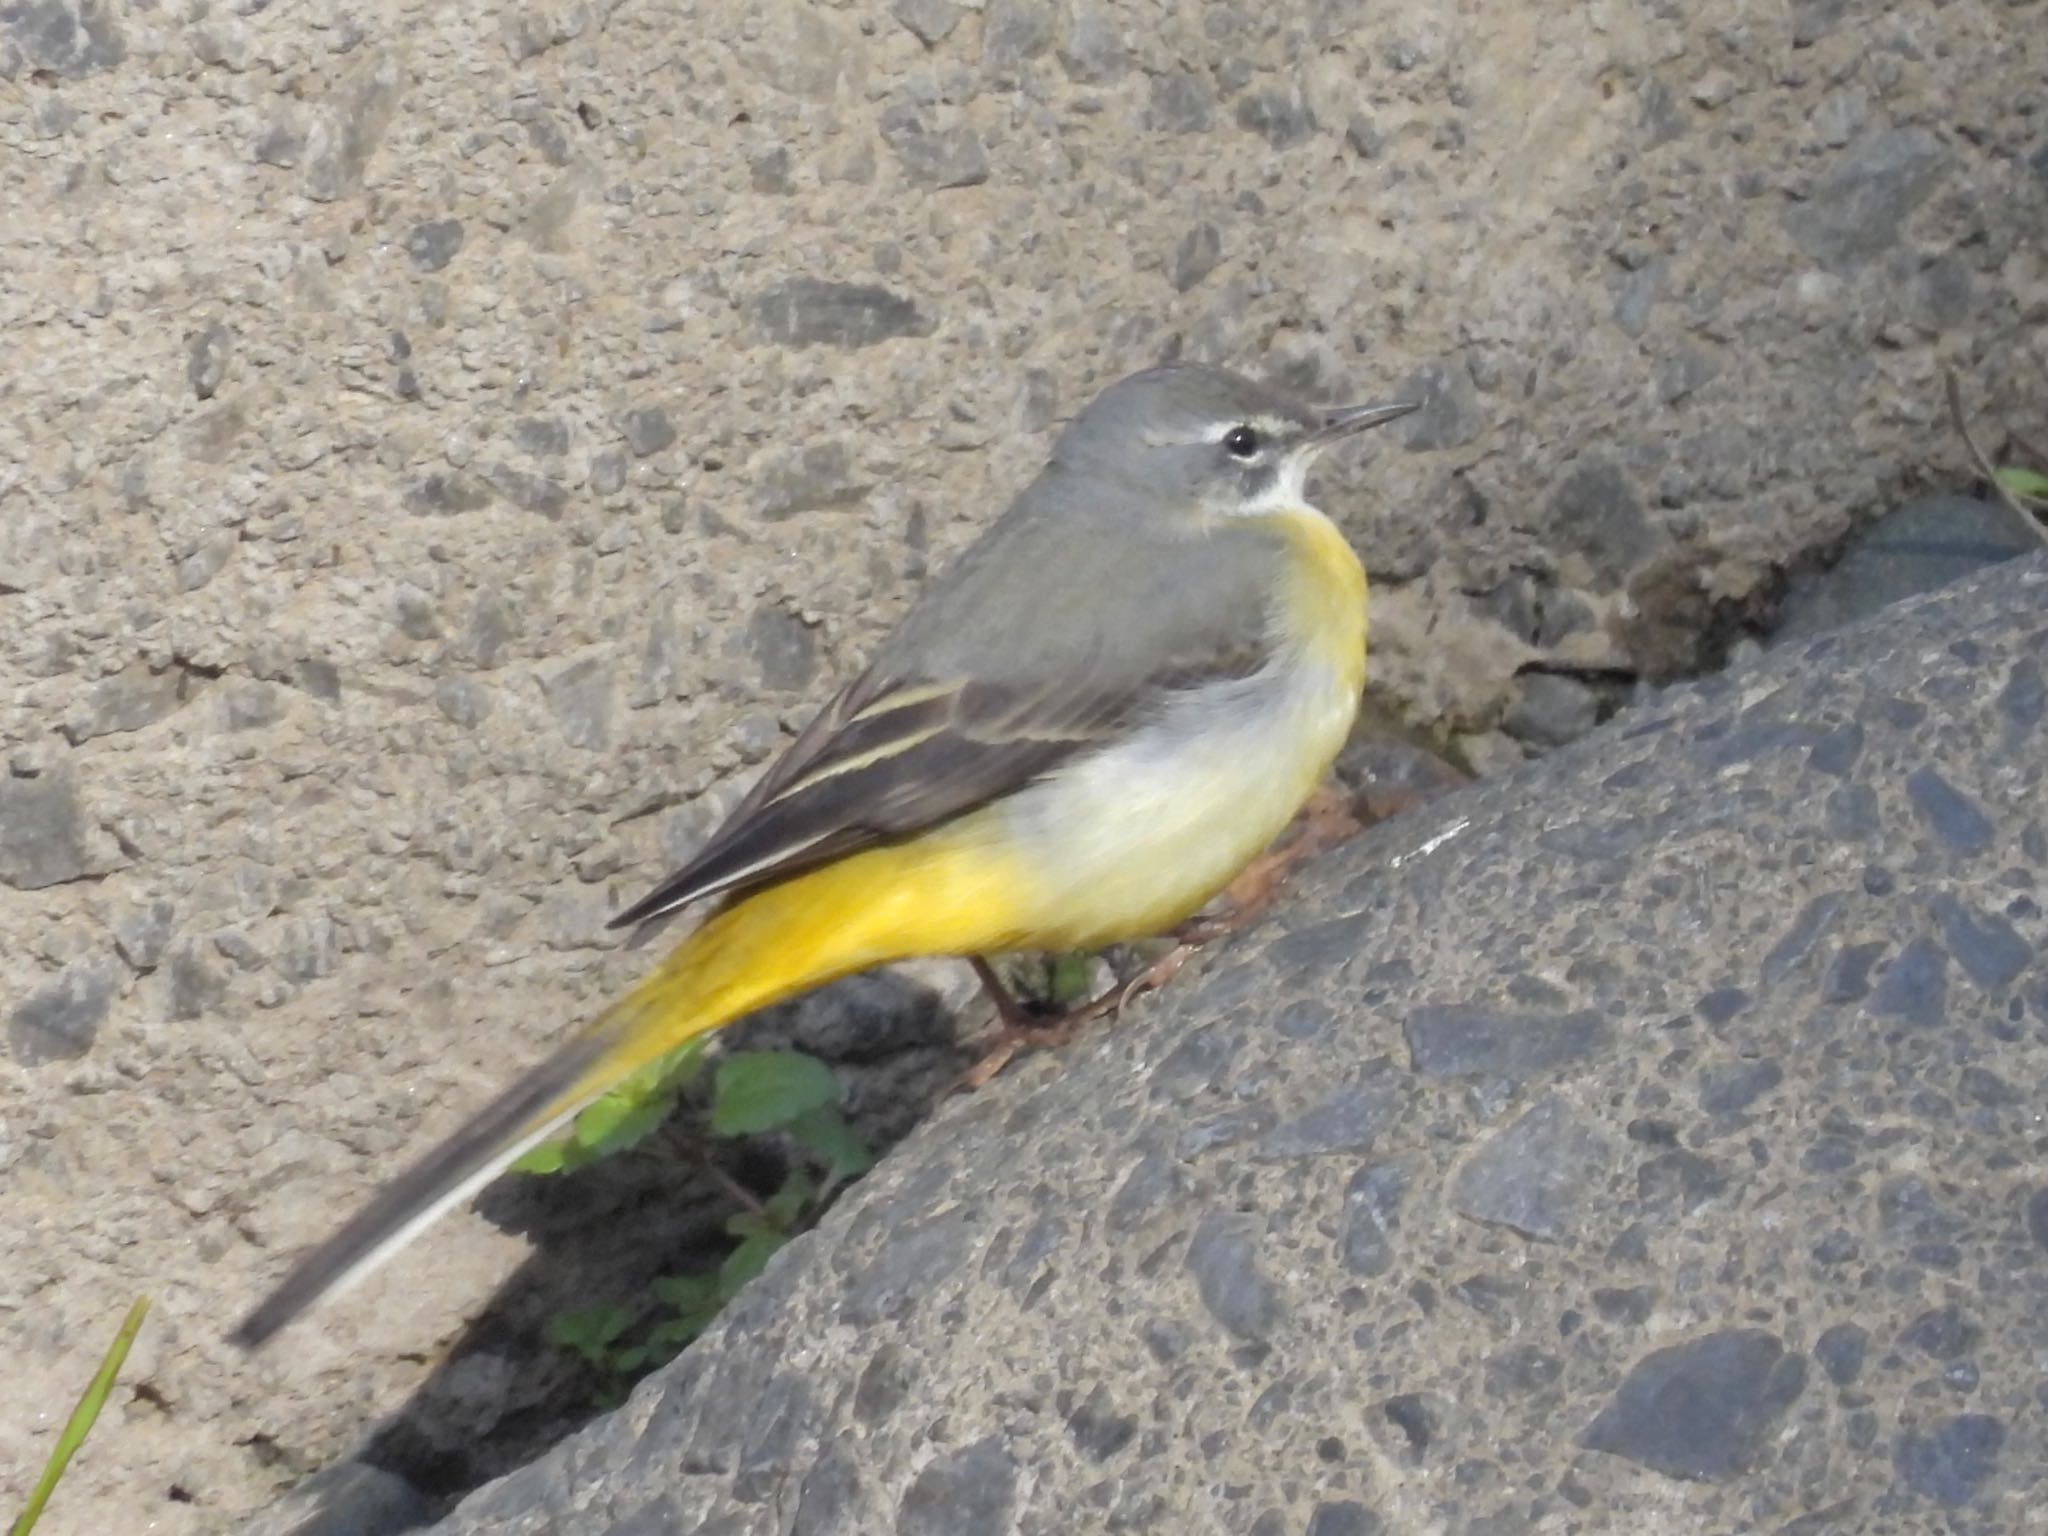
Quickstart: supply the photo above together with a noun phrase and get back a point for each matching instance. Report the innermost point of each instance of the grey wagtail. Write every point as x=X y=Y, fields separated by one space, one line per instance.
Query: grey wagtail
x=1106 y=708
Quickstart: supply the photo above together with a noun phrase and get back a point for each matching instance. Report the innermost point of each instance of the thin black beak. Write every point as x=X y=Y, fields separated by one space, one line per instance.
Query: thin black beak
x=1358 y=418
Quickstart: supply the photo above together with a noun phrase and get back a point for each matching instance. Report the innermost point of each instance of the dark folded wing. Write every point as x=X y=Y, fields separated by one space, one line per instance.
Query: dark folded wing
x=887 y=758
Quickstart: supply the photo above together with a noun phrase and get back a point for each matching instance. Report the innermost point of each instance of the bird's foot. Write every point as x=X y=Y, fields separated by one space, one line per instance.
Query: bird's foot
x=1329 y=818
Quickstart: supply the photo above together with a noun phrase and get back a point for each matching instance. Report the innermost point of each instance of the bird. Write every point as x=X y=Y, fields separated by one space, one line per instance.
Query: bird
x=1106 y=707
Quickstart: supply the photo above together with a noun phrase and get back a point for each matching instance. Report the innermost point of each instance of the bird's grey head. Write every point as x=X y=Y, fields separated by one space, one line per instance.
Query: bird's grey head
x=1206 y=438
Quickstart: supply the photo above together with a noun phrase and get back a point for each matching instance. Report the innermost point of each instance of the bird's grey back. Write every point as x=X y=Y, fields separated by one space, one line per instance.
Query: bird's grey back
x=1086 y=577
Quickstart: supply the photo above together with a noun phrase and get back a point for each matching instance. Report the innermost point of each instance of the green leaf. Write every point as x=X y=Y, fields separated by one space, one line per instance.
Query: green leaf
x=614 y=1122
x=590 y=1331
x=787 y=1204
x=685 y=1292
x=825 y=1134
x=83 y=1417
x=620 y=1117
x=674 y=1334
x=1068 y=976
x=747 y=1261
x=2026 y=482
x=548 y=1157
x=765 y=1090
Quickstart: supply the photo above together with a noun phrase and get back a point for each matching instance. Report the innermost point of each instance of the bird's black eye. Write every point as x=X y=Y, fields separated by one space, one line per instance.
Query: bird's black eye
x=1242 y=441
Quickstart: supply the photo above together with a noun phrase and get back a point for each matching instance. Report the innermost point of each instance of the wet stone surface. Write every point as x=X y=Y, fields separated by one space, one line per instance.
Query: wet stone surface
x=1659 y=1159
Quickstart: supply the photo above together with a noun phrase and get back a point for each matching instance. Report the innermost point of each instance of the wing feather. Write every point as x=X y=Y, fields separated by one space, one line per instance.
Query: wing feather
x=881 y=763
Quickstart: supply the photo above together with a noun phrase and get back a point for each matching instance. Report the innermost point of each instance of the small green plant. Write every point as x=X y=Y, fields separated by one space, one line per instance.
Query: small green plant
x=753 y=1093
x=2021 y=481
x=82 y=1419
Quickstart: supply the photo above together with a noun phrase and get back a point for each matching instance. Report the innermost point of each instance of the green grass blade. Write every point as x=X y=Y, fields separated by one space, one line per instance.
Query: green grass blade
x=82 y=1417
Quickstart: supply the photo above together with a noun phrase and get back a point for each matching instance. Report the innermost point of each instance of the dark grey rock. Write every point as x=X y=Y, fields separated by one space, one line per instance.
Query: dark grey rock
x=1540 y=1175
x=1181 y=103
x=1679 y=1180
x=1013 y=32
x=545 y=437
x=1346 y=1121
x=2024 y=698
x=1848 y=974
x=1628 y=1306
x=1195 y=257
x=1703 y=1409
x=1596 y=512
x=205 y=562
x=1636 y=291
x=1952 y=1461
x=311 y=949
x=44 y=836
x=206 y=358
x=1344 y=1517
x=196 y=986
x=1278 y=114
x=1813 y=20
x=282 y=144
x=929 y=21
x=1092 y=49
x=784 y=646
x=1365 y=137
x=141 y=934
x=415 y=614
x=491 y=627
x=1472 y=1040
x=446 y=492
x=1840 y=1351
x=1451 y=414
x=1914 y=987
x=67 y=37
x=433 y=243
x=252 y=704
x=1731 y=1087
x=1943 y=1333
x=1223 y=1257
x=2037 y=1216
x=60 y=1019
x=1664 y=118
x=607 y=473
x=1372 y=1207
x=1099 y=1430
x=462 y=701
x=806 y=312
x=1551 y=710
x=1860 y=205
x=938 y=158
x=351 y=125
x=1990 y=950
x=133 y=699
x=1949 y=813
x=769 y=171
x=1918 y=548
x=581 y=695
x=968 y=1492
x=817 y=477
x=530 y=492
x=648 y=430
